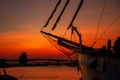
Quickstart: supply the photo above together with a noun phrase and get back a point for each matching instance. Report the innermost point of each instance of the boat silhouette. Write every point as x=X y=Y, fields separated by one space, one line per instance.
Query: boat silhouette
x=95 y=64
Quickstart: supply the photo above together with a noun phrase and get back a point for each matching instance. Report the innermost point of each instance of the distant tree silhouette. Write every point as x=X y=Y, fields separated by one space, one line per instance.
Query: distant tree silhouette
x=23 y=59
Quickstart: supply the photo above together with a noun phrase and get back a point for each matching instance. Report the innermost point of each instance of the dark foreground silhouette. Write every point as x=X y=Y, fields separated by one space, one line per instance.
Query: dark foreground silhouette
x=6 y=76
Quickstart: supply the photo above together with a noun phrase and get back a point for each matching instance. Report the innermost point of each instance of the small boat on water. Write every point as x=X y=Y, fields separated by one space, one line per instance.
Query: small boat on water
x=5 y=76
x=95 y=64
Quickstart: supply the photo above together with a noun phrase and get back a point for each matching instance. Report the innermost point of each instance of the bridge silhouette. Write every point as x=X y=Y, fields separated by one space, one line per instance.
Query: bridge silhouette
x=57 y=61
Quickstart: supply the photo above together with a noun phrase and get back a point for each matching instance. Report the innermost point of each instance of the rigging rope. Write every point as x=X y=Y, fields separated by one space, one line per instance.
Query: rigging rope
x=108 y=28
x=52 y=14
x=76 y=13
x=101 y=16
x=54 y=26
x=68 y=55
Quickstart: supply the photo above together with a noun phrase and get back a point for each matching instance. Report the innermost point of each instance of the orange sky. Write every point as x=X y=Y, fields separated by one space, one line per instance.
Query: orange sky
x=21 y=21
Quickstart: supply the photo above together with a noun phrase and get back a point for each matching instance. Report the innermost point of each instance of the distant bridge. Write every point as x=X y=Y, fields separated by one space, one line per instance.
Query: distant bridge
x=55 y=60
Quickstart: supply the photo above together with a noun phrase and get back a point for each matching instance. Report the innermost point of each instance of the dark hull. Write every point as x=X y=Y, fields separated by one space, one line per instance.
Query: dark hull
x=99 y=68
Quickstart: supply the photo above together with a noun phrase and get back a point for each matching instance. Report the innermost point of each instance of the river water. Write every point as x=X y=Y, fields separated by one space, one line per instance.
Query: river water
x=43 y=73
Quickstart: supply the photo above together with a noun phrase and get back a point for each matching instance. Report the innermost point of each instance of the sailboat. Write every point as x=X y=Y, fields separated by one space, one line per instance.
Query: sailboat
x=95 y=64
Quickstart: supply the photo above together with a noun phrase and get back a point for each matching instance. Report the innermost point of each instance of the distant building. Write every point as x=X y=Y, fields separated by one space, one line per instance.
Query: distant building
x=23 y=59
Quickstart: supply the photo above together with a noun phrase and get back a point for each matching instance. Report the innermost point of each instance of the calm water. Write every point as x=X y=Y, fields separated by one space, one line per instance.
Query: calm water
x=43 y=73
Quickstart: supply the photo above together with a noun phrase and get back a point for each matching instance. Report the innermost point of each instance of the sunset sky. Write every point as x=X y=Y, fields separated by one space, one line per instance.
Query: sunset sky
x=21 y=21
